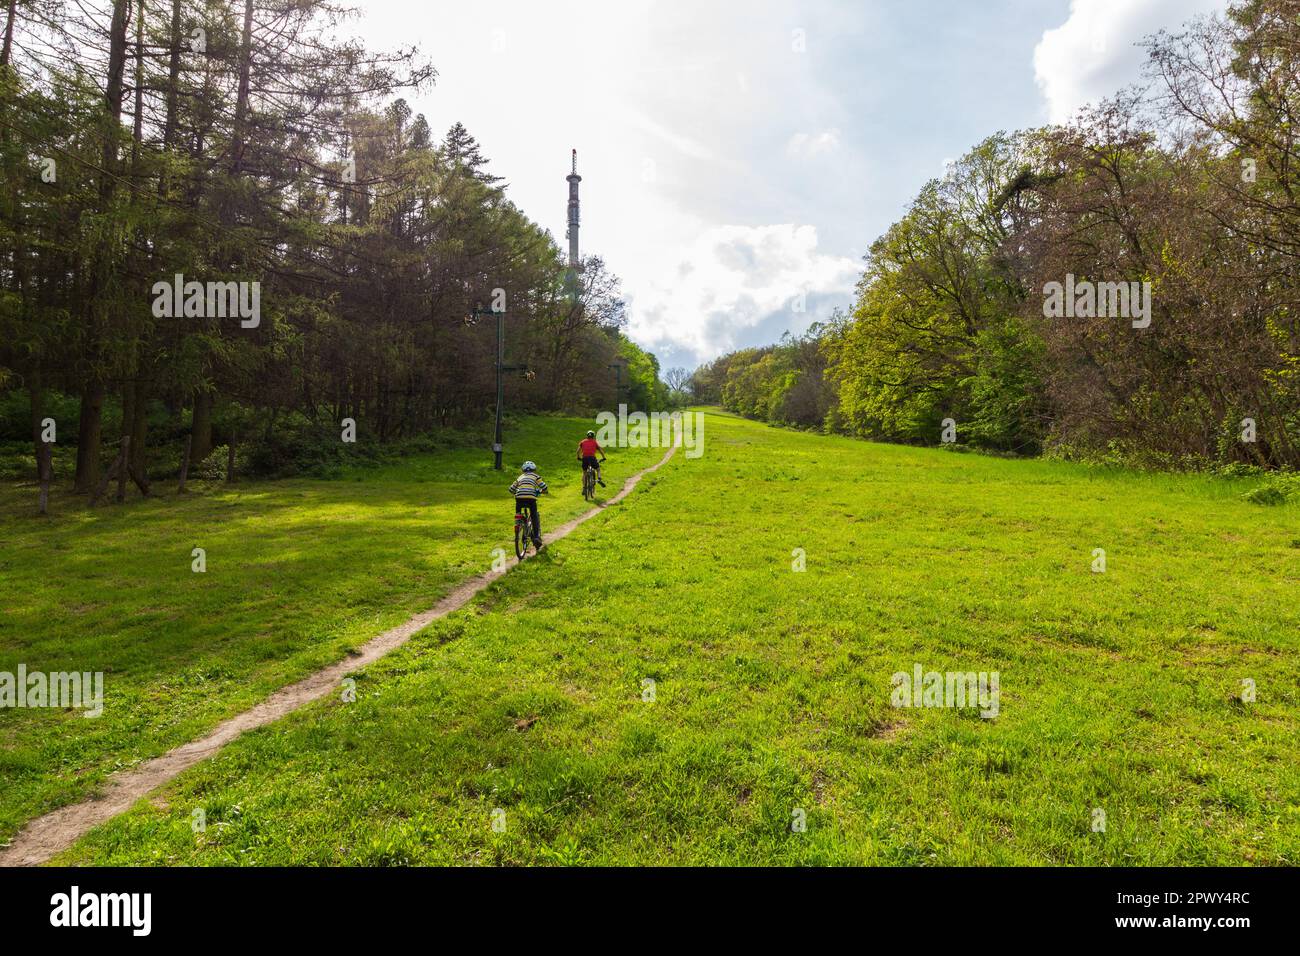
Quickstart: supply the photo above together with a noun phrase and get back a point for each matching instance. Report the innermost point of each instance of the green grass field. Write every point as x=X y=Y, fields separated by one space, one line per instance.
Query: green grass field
x=298 y=573
x=1120 y=692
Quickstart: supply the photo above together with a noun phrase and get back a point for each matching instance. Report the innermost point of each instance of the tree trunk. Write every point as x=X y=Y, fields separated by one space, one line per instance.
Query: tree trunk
x=98 y=491
x=37 y=395
x=113 y=95
x=201 y=427
x=241 y=101
x=137 y=125
x=172 y=97
x=44 y=450
x=173 y=76
x=185 y=463
x=45 y=468
x=92 y=395
x=88 y=436
x=135 y=420
x=9 y=34
x=123 y=460
x=128 y=408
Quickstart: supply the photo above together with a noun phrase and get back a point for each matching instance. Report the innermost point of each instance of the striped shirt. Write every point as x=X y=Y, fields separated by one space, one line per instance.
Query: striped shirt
x=528 y=485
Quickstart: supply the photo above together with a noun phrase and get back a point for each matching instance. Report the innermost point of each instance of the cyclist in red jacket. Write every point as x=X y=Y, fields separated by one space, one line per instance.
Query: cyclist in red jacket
x=588 y=448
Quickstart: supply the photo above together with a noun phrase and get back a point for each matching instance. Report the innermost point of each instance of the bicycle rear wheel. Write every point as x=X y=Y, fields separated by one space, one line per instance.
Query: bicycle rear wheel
x=589 y=483
x=523 y=535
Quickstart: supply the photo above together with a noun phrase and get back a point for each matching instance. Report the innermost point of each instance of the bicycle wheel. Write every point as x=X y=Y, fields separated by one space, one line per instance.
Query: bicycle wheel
x=523 y=534
x=589 y=483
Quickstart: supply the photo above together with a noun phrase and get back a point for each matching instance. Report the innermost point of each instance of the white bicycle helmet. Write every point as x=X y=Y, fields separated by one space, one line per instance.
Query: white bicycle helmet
x=591 y=434
x=530 y=466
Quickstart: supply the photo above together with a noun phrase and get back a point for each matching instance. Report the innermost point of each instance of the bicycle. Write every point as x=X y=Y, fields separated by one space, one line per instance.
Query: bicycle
x=524 y=534
x=589 y=483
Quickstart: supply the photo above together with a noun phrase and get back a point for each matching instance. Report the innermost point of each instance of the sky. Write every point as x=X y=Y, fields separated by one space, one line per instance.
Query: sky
x=739 y=156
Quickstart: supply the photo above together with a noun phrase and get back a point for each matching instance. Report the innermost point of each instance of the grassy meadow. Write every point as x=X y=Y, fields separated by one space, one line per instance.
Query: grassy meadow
x=664 y=686
x=298 y=573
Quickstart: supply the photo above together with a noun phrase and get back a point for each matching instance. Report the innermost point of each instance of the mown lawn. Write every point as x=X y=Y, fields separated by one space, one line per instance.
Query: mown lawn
x=1120 y=691
x=298 y=573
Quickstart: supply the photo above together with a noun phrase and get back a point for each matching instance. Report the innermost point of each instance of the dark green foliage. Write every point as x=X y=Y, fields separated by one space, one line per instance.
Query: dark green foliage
x=375 y=246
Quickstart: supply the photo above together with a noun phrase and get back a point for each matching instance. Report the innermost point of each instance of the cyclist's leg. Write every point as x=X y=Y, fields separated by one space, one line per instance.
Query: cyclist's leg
x=537 y=521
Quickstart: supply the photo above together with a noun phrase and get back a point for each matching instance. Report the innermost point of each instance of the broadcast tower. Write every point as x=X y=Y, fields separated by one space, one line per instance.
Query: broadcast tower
x=573 y=179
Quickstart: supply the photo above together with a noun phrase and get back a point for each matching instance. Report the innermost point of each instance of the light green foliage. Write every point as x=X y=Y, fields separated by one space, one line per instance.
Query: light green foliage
x=643 y=390
x=934 y=333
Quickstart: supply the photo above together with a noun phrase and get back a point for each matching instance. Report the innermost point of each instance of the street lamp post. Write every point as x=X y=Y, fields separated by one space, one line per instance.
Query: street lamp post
x=502 y=368
x=501 y=385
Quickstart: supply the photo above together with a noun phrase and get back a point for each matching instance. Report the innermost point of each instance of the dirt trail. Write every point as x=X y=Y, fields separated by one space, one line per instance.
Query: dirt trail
x=45 y=836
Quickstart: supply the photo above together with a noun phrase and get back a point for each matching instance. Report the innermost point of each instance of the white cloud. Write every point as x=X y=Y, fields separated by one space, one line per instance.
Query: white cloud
x=808 y=145
x=1093 y=54
x=688 y=117
x=733 y=279
x=683 y=144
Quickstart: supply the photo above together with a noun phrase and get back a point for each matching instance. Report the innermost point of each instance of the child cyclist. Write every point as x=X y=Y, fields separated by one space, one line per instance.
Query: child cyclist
x=527 y=488
x=588 y=448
